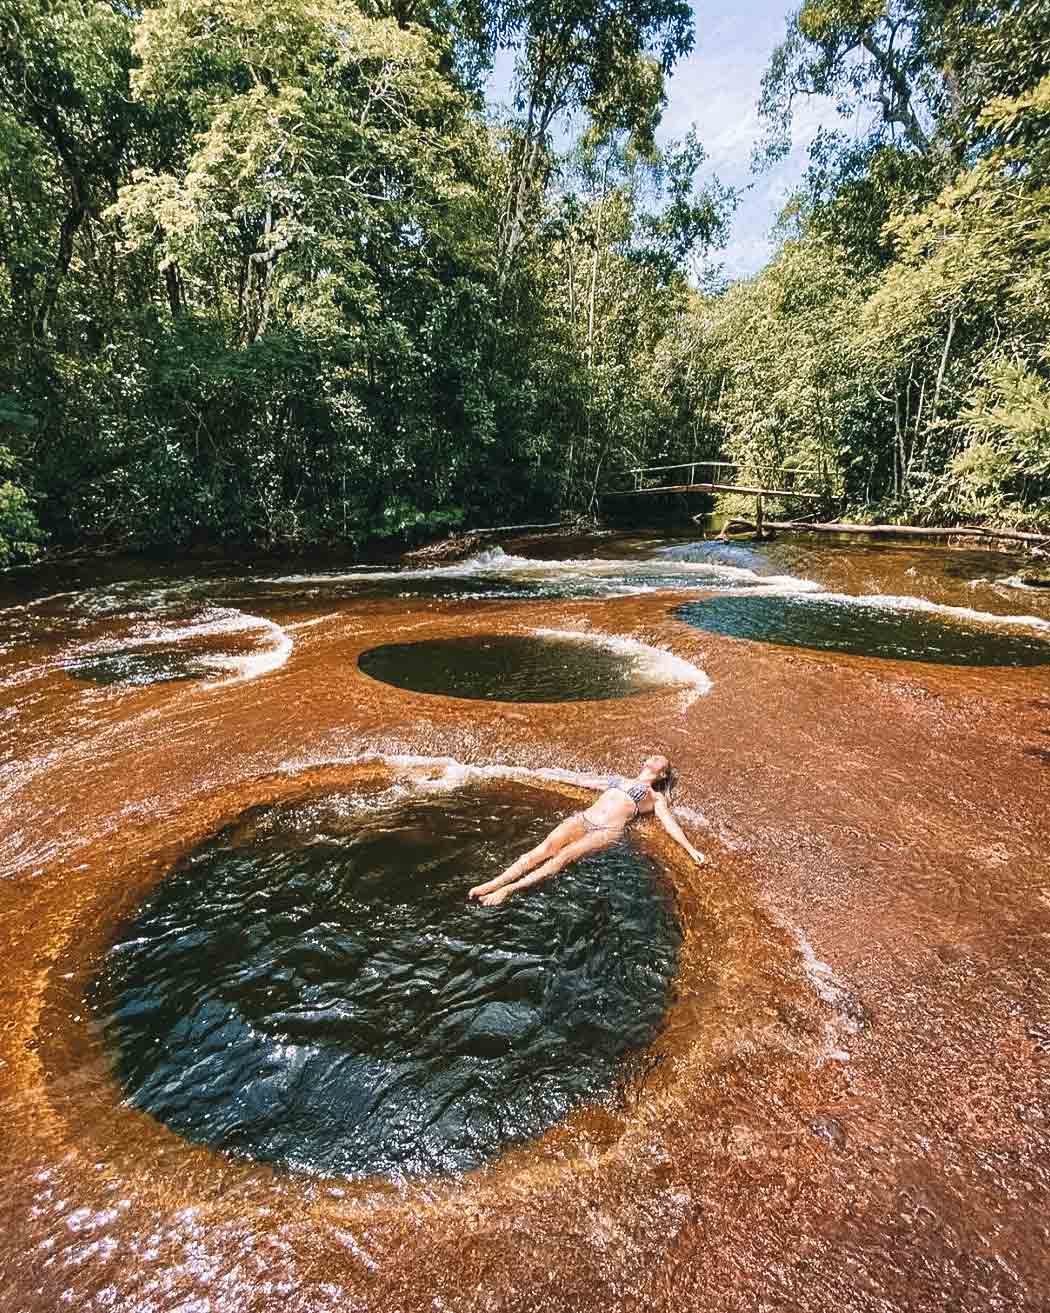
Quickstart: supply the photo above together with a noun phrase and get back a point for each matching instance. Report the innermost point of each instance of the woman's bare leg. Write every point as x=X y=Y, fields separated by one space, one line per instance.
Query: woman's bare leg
x=567 y=832
x=591 y=842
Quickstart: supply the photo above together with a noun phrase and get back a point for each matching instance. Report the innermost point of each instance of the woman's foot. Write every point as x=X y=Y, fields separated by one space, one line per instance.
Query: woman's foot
x=495 y=898
x=508 y=876
x=480 y=890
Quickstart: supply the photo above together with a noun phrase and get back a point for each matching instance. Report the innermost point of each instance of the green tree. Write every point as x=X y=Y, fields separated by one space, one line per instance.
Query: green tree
x=607 y=62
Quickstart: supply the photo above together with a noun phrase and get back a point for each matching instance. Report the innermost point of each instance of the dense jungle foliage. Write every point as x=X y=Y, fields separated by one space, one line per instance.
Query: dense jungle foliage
x=901 y=336
x=273 y=273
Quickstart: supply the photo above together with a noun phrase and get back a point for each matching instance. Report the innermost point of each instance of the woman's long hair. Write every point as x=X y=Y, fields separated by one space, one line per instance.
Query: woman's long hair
x=665 y=784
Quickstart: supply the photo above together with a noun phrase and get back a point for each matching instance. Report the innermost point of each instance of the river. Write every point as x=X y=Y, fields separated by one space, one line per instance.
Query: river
x=257 y=1051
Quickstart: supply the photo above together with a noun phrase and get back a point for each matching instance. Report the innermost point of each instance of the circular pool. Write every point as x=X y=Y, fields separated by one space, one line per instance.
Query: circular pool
x=310 y=987
x=894 y=629
x=519 y=667
x=139 y=667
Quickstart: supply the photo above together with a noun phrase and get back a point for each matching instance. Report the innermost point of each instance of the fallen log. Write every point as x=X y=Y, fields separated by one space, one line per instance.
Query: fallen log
x=909 y=530
x=468 y=541
x=445 y=549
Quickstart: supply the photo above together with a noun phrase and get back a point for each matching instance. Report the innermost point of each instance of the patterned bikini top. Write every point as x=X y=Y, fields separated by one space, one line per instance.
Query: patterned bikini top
x=636 y=792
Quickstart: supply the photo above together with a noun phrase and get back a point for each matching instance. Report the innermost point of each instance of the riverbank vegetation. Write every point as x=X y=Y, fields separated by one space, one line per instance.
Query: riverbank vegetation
x=273 y=273
x=900 y=335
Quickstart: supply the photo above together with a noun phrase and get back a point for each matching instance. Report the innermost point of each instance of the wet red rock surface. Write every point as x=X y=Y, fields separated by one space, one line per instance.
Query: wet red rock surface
x=861 y=1123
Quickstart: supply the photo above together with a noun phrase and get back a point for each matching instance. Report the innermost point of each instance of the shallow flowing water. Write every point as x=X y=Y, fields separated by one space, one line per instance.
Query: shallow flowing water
x=258 y=1051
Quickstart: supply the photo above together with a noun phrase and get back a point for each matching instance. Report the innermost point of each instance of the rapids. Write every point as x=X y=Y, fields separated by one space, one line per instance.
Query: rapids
x=810 y=1074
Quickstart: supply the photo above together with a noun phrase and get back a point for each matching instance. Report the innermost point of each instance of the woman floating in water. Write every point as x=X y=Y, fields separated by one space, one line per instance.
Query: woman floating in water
x=600 y=826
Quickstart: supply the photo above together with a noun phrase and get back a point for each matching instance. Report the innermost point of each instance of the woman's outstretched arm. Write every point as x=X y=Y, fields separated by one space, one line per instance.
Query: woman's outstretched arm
x=666 y=818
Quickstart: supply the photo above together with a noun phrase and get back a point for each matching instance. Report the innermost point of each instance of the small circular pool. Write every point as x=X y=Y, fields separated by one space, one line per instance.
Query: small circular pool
x=870 y=626
x=517 y=668
x=310 y=987
x=203 y=644
x=139 y=667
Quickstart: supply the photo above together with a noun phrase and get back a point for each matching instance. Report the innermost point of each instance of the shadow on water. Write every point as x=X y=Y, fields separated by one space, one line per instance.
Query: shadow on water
x=870 y=627
x=311 y=987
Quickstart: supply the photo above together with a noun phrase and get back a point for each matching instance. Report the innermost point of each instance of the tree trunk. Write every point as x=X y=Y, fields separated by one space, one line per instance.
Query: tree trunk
x=514 y=213
x=899 y=109
x=594 y=268
x=909 y=530
x=915 y=434
x=944 y=362
x=896 y=441
x=173 y=285
x=548 y=88
x=590 y=331
x=74 y=217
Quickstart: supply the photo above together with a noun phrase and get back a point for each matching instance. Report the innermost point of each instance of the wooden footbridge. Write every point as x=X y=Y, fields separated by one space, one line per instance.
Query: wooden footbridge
x=758 y=481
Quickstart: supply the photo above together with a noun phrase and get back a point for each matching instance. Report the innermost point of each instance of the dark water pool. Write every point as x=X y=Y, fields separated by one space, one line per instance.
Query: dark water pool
x=138 y=667
x=311 y=987
x=509 y=668
x=868 y=627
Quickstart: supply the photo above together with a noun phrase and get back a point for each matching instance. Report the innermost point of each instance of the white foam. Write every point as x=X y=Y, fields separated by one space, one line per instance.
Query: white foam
x=1015 y=581
x=252 y=665
x=842 y=1024
x=655 y=664
x=638 y=575
x=447 y=775
x=779 y=585
x=879 y=600
x=697 y=819
x=320 y=620
x=39 y=601
x=277 y=643
x=451 y=773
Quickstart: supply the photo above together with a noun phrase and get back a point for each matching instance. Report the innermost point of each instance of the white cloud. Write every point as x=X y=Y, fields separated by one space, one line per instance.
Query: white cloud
x=717 y=88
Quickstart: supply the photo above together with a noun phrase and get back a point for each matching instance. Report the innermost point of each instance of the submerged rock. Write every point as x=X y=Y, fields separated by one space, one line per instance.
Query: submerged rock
x=829 y=1129
x=497 y=1027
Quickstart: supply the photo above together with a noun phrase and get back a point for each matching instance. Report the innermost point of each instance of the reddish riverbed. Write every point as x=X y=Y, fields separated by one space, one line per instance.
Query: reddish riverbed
x=847 y=1106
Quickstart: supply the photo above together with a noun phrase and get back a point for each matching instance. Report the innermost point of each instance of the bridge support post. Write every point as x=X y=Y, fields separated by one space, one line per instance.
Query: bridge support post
x=760 y=515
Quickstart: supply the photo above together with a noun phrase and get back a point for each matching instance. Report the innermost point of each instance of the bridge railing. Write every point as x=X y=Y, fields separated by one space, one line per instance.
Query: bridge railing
x=776 y=480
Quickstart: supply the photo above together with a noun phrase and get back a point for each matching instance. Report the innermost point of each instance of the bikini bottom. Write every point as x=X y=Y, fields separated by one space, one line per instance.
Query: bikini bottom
x=600 y=829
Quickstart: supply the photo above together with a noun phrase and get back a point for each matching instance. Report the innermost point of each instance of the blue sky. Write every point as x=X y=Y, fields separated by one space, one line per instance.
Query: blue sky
x=717 y=88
